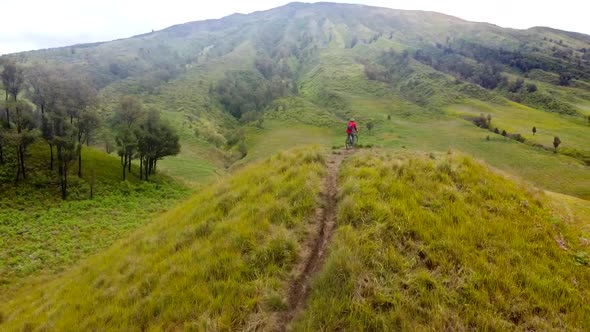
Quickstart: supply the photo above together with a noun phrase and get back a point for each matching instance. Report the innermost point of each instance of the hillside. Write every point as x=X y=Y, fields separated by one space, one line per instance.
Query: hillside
x=412 y=249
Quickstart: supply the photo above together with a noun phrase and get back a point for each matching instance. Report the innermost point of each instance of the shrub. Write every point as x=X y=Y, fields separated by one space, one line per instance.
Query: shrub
x=531 y=88
x=518 y=137
x=556 y=143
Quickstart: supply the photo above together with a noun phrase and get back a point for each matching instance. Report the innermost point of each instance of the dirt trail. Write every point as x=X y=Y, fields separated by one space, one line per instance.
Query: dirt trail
x=317 y=244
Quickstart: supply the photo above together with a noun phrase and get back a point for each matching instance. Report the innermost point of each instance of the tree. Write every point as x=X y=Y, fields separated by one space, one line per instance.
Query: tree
x=556 y=143
x=156 y=139
x=504 y=133
x=489 y=120
x=130 y=110
x=564 y=79
x=44 y=91
x=496 y=131
x=1 y=143
x=534 y=130
x=88 y=121
x=13 y=80
x=127 y=117
x=79 y=104
x=64 y=131
x=106 y=136
x=126 y=146
x=23 y=135
x=63 y=100
x=64 y=140
x=516 y=86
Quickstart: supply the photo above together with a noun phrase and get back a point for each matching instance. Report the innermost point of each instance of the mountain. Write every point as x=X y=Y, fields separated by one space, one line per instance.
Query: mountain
x=213 y=78
x=467 y=211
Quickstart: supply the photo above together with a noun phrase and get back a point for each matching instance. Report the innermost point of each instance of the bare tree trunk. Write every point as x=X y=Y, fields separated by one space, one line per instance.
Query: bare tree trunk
x=124 y=167
x=22 y=160
x=80 y=160
x=18 y=168
x=129 y=164
x=64 y=192
x=146 y=168
x=7 y=111
x=1 y=154
x=92 y=180
x=51 y=158
x=61 y=171
x=79 y=151
x=141 y=167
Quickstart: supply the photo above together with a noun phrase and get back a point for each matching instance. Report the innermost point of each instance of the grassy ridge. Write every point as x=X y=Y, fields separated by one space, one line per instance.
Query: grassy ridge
x=209 y=264
x=445 y=244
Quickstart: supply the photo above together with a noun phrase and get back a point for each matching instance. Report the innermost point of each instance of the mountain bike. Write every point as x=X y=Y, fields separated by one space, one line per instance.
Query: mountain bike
x=351 y=140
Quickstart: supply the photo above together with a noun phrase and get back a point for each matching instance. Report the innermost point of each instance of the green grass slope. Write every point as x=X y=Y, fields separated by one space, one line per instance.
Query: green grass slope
x=212 y=263
x=442 y=243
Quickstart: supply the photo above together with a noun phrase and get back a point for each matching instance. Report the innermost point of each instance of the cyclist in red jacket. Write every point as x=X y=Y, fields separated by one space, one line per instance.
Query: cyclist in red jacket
x=351 y=131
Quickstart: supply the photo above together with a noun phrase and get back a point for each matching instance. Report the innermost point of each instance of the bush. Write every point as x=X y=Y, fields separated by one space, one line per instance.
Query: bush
x=556 y=143
x=518 y=137
x=531 y=88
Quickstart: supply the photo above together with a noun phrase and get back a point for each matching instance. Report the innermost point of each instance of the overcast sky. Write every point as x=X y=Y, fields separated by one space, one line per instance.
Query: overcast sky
x=36 y=24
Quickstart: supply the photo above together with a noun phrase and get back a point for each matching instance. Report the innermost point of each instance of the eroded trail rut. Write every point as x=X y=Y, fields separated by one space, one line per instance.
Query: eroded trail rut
x=317 y=244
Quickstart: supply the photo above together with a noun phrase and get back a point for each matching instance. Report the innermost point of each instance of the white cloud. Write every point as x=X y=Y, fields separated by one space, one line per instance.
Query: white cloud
x=41 y=24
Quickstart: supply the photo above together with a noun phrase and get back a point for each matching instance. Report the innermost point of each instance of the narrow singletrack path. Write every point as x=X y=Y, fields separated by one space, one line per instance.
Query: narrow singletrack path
x=317 y=244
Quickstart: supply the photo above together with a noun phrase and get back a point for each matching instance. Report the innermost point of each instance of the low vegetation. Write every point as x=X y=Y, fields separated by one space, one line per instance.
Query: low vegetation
x=442 y=243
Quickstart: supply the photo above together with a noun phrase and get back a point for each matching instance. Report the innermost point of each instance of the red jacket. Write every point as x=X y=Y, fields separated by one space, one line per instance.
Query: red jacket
x=351 y=128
